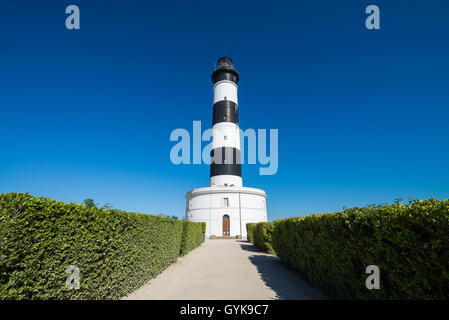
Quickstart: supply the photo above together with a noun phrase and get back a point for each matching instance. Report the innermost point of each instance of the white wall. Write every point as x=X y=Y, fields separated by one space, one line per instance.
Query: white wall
x=219 y=181
x=209 y=207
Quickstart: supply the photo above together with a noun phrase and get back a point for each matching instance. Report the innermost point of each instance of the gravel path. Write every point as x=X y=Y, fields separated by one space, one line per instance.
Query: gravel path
x=226 y=270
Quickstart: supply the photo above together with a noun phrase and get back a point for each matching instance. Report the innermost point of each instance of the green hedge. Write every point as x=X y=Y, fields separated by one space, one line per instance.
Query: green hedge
x=409 y=244
x=192 y=236
x=250 y=231
x=262 y=235
x=115 y=251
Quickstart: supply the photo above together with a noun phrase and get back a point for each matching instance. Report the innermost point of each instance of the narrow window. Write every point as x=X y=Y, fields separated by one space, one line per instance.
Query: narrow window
x=226 y=202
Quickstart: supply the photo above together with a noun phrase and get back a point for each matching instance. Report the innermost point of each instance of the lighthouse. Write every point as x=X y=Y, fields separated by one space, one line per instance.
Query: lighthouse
x=226 y=206
x=225 y=169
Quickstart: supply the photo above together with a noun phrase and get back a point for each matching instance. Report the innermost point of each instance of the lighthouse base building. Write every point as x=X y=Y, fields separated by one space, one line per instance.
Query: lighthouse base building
x=226 y=210
x=226 y=206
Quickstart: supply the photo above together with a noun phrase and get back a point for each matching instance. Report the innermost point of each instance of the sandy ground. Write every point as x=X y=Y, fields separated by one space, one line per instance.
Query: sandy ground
x=227 y=270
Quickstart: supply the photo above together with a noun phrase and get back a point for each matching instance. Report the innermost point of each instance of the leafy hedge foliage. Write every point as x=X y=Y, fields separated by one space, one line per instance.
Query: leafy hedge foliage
x=192 y=236
x=409 y=244
x=115 y=251
x=262 y=235
x=250 y=231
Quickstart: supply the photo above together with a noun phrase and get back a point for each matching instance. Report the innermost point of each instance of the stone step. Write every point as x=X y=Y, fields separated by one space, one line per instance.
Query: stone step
x=224 y=237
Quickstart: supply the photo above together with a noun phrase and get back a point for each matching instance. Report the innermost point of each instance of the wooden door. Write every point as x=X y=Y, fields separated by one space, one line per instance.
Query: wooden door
x=226 y=227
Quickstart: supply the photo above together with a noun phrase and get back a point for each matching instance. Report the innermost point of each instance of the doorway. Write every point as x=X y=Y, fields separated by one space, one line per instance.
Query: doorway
x=226 y=226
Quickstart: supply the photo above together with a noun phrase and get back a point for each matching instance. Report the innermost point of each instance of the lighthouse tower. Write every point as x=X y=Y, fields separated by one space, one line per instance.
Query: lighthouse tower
x=225 y=169
x=226 y=206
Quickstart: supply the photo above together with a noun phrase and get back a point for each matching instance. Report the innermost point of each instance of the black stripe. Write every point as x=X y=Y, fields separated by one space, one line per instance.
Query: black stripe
x=225 y=161
x=225 y=74
x=225 y=111
x=225 y=169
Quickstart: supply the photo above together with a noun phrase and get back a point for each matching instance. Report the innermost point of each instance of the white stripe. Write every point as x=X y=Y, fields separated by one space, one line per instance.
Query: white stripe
x=226 y=134
x=225 y=90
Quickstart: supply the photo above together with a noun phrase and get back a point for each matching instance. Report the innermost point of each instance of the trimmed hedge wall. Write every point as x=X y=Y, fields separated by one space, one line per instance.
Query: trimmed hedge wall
x=409 y=244
x=192 y=236
x=262 y=235
x=115 y=251
x=250 y=231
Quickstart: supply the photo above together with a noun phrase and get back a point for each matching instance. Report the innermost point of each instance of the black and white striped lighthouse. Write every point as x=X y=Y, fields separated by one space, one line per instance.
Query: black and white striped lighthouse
x=226 y=206
x=225 y=169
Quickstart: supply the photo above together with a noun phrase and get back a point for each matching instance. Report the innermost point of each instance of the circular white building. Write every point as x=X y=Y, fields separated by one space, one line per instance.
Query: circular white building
x=226 y=206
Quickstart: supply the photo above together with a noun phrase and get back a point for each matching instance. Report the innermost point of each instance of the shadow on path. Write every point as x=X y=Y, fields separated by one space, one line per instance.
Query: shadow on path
x=249 y=247
x=285 y=283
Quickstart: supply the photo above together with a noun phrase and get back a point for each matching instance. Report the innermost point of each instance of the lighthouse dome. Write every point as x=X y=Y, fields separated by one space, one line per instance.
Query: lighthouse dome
x=224 y=70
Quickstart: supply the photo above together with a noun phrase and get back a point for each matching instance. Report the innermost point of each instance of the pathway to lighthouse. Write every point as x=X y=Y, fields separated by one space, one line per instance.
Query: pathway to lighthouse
x=226 y=269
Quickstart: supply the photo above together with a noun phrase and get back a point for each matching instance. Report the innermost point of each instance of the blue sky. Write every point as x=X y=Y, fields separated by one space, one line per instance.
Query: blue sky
x=362 y=115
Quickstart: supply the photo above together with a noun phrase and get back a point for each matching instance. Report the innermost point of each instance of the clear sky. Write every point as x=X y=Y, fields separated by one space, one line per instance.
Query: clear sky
x=363 y=115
